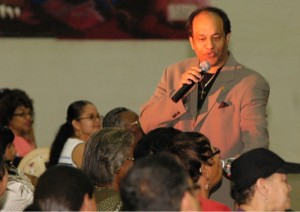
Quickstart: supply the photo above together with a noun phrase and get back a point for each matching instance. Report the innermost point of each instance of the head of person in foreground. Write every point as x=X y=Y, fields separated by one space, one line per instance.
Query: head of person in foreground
x=259 y=181
x=64 y=188
x=158 y=183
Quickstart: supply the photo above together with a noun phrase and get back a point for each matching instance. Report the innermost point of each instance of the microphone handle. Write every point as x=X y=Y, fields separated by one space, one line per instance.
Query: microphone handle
x=182 y=91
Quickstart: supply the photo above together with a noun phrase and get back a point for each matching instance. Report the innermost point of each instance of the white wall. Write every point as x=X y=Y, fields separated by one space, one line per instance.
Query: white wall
x=265 y=37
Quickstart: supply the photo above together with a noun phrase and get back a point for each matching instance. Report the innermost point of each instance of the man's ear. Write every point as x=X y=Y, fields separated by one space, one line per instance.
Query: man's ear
x=228 y=38
x=88 y=204
x=191 y=42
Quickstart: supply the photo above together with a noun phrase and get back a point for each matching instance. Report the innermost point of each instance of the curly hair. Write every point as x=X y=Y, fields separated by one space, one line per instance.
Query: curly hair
x=10 y=100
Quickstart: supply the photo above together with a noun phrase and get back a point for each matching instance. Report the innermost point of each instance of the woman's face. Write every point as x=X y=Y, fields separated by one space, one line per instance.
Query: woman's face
x=216 y=170
x=22 y=120
x=88 y=122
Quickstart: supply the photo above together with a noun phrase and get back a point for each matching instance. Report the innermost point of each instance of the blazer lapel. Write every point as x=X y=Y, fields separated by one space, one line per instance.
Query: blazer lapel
x=220 y=87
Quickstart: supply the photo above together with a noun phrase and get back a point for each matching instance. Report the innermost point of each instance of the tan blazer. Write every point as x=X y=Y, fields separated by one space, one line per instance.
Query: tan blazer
x=233 y=115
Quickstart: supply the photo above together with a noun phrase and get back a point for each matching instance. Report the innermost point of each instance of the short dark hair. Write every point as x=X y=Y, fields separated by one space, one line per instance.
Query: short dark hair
x=113 y=117
x=215 y=10
x=104 y=154
x=154 y=183
x=62 y=188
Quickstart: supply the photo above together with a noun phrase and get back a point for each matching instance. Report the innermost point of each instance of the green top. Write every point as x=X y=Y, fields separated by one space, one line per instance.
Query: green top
x=107 y=199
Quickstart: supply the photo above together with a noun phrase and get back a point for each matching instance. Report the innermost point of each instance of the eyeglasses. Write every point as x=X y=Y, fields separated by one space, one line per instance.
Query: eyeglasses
x=24 y=114
x=91 y=117
x=217 y=151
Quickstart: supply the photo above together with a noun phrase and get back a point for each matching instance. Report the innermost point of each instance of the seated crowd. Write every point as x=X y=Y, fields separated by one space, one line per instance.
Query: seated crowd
x=112 y=165
x=166 y=170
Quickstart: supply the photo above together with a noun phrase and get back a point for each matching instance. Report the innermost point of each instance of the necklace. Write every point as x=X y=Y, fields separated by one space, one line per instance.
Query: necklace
x=203 y=93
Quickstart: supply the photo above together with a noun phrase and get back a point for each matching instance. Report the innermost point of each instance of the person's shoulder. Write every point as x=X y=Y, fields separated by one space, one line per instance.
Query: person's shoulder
x=72 y=140
x=243 y=70
x=19 y=186
x=253 y=75
x=212 y=205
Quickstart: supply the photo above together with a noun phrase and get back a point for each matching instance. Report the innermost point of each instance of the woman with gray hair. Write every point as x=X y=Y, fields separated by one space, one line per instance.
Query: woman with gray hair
x=104 y=161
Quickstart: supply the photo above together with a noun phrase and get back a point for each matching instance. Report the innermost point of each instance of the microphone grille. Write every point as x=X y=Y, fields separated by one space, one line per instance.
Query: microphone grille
x=204 y=66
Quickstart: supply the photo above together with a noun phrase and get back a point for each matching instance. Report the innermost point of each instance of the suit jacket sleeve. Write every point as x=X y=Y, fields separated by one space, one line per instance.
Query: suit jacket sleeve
x=160 y=110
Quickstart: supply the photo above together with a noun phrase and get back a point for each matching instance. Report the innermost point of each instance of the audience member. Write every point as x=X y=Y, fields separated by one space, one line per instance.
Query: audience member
x=3 y=176
x=259 y=181
x=19 y=192
x=195 y=154
x=105 y=161
x=202 y=162
x=82 y=121
x=124 y=118
x=17 y=112
x=63 y=189
x=158 y=183
x=227 y=104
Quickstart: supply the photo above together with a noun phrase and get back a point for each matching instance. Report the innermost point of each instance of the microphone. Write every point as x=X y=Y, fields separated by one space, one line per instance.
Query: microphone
x=204 y=67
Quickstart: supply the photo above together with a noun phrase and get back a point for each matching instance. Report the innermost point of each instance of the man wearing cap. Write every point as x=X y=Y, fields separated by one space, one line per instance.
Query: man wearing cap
x=259 y=181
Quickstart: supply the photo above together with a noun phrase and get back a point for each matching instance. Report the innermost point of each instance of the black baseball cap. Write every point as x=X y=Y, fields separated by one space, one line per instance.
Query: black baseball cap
x=258 y=163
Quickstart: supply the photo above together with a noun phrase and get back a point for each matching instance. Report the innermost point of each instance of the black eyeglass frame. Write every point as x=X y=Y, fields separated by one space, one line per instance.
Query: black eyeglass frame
x=217 y=151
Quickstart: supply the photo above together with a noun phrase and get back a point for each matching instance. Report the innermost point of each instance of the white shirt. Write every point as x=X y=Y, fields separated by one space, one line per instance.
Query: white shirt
x=66 y=154
x=18 y=194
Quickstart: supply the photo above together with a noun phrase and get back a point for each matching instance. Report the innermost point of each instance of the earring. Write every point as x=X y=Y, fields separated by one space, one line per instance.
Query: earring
x=207 y=186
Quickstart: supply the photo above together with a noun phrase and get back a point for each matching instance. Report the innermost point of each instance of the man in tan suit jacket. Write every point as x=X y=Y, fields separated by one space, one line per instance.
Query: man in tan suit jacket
x=232 y=113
